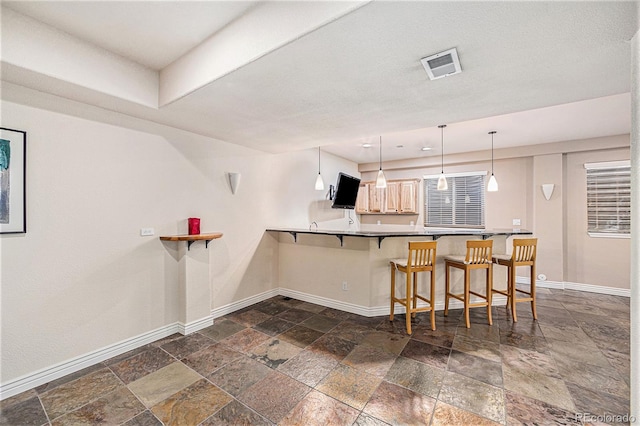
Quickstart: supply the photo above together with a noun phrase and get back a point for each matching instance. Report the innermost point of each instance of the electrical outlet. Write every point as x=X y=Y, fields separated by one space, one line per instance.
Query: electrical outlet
x=516 y=222
x=146 y=232
x=345 y=286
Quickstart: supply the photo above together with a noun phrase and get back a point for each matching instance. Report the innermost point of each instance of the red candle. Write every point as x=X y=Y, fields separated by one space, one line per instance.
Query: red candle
x=194 y=225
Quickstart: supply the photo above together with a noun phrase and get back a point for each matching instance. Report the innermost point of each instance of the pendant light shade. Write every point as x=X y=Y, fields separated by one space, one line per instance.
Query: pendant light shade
x=442 y=181
x=319 y=181
x=493 y=183
x=381 y=181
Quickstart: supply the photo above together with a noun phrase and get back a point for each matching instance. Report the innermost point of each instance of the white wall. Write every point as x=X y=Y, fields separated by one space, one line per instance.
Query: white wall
x=565 y=252
x=548 y=221
x=597 y=261
x=501 y=207
x=82 y=277
x=318 y=265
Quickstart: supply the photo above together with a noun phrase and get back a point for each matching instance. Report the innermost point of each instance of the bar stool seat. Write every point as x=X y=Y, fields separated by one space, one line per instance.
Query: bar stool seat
x=524 y=254
x=421 y=258
x=501 y=258
x=478 y=257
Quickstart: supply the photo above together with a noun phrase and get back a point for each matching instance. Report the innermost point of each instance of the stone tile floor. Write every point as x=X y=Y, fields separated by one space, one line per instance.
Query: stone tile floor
x=288 y=362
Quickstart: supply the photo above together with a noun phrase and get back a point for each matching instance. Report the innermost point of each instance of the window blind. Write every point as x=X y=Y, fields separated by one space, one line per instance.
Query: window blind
x=461 y=205
x=608 y=198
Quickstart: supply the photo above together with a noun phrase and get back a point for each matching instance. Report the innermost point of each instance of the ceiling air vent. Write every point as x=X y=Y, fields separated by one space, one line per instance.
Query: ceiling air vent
x=442 y=64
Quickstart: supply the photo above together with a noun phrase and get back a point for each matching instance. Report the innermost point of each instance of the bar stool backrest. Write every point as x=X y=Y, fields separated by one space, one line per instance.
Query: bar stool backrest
x=422 y=255
x=479 y=252
x=524 y=250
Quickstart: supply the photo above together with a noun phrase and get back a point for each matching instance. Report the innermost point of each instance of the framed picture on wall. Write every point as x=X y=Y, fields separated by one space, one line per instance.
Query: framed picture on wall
x=13 y=175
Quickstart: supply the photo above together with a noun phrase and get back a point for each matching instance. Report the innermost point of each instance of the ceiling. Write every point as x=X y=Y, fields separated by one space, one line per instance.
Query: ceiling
x=284 y=76
x=153 y=33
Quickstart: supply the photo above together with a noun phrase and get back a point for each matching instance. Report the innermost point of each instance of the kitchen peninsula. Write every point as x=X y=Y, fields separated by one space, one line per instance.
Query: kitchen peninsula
x=349 y=269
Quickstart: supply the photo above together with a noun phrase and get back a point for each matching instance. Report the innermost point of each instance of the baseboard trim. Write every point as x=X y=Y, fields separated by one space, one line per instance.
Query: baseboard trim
x=567 y=285
x=329 y=303
x=624 y=292
x=194 y=326
x=374 y=311
x=236 y=306
x=46 y=375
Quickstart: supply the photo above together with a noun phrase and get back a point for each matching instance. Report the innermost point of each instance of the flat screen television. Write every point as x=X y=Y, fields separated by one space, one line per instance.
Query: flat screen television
x=346 y=192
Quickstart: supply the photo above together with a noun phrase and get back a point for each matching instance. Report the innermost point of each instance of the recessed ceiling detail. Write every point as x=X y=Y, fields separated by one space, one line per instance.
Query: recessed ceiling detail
x=254 y=81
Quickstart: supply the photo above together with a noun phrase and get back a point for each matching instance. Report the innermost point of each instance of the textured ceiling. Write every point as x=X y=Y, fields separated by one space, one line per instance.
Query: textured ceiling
x=357 y=77
x=152 y=33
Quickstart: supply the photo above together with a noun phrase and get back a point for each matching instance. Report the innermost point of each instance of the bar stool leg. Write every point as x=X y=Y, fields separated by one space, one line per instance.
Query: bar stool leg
x=446 y=289
x=512 y=279
x=466 y=297
x=432 y=299
x=393 y=291
x=415 y=292
x=408 y=303
x=533 y=291
x=489 y=287
x=508 y=305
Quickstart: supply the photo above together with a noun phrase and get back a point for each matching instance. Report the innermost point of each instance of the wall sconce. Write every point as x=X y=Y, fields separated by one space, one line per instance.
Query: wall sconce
x=547 y=190
x=234 y=181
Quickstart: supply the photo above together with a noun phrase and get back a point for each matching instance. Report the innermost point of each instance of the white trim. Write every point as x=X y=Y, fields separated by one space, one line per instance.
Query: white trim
x=453 y=304
x=46 y=375
x=625 y=292
x=566 y=285
x=194 y=326
x=235 y=306
x=607 y=165
x=608 y=235
x=374 y=311
x=549 y=284
x=448 y=175
x=329 y=303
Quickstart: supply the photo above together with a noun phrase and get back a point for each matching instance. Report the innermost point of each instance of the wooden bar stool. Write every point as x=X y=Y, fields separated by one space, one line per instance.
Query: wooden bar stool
x=422 y=258
x=478 y=257
x=524 y=254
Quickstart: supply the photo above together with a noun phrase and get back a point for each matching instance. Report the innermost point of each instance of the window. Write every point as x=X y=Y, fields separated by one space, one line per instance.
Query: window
x=462 y=205
x=609 y=199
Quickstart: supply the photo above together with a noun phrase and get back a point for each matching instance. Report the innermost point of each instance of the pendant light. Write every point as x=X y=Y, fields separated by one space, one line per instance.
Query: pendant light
x=442 y=181
x=493 y=183
x=381 y=181
x=319 y=181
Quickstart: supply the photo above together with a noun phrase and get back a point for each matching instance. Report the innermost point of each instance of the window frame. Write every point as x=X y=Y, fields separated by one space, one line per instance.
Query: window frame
x=448 y=176
x=606 y=165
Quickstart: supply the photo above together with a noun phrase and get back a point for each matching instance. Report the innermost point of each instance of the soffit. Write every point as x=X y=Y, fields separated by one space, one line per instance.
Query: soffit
x=360 y=76
x=151 y=33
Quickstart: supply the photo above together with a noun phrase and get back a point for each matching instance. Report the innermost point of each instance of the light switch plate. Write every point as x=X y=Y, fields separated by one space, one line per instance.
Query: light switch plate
x=146 y=232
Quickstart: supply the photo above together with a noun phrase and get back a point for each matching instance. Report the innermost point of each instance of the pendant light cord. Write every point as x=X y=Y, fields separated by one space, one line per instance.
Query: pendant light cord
x=442 y=126
x=493 y=132
x=380 y=152
x=318 y=160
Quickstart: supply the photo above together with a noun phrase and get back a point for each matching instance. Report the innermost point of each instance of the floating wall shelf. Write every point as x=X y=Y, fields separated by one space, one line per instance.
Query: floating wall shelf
x=190 y=239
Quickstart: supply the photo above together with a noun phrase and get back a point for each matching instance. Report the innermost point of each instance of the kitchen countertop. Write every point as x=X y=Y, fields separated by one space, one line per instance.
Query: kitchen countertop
x=435 y=233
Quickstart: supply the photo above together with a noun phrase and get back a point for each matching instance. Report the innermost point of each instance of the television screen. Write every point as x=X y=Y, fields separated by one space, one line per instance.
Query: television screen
x=346 y=192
